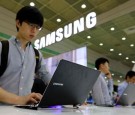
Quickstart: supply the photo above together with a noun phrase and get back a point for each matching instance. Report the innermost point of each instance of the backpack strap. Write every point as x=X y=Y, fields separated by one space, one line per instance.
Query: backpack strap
x=4 y=56
x=37 y=58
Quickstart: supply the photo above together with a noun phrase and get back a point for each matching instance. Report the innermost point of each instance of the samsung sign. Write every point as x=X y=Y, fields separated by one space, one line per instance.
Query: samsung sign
x=68 y=30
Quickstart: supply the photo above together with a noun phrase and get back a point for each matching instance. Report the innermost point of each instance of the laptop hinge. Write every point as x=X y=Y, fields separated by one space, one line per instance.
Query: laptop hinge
x=75 y=106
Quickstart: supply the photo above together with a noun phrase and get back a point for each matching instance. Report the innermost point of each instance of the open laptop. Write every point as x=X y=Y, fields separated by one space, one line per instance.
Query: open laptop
x=128 y=96
x=70 y=85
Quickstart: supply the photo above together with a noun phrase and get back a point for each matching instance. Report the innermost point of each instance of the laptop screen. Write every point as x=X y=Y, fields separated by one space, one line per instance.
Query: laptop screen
x=70 y=85
x=128 y=96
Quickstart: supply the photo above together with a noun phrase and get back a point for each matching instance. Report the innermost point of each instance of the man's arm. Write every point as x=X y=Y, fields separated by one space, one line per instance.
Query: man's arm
x=10 y=98
x=107 y=73
x=110 y=86
x=43 y=72
x=122 y=87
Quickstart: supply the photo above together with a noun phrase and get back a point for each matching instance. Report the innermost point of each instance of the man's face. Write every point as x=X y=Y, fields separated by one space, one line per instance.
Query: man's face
x=132 y=80
x=105 y=67
x=27 y=31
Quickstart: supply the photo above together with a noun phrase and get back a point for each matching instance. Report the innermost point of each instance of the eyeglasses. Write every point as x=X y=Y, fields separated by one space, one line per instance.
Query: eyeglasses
x=32 y=26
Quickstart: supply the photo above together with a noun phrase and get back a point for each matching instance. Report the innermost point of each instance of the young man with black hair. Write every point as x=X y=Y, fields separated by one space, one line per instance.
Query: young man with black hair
x=17 y=80
x=129 y=78
x=102 y=92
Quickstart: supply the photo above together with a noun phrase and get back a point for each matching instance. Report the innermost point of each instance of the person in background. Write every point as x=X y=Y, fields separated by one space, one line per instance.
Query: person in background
x=129 y=78
x=102 y=90
x=17 y=81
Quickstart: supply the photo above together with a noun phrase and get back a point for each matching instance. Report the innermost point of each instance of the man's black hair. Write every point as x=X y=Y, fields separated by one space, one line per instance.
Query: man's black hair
x=30 y=14
x=130 y=74
x=100 y=61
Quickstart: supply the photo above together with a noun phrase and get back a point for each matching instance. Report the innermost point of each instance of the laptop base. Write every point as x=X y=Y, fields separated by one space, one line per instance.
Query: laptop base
x=35 y=107
x=106 y=105
x=27 y=107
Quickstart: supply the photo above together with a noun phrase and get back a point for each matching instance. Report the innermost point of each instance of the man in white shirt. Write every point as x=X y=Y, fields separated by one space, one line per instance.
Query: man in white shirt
x=102 y=91
x=129 y=78
x=17 y=80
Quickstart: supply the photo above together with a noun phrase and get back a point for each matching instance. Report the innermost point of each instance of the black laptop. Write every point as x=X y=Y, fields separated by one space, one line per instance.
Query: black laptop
x=128 y=96
x=70 y=85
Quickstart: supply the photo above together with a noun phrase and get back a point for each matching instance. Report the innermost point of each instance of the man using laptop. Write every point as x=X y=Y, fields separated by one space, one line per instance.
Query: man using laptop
x=17 y=80
x=129 y=78
x=102 y=92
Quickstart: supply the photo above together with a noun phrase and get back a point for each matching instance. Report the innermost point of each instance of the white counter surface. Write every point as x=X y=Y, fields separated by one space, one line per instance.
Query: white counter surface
x=83 y=110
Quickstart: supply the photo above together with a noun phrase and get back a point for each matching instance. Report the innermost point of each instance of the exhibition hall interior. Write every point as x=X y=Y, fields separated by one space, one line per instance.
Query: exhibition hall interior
x=79 y=31
x=112 y=36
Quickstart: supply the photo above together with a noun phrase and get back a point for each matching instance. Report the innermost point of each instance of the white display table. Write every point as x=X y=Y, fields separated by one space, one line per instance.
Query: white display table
x=83 y=110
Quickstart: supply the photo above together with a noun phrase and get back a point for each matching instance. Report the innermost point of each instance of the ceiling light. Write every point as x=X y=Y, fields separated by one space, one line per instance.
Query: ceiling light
x=83 y=6
x=131 y=45
x=133 y=62
x=111 y=50
x=88 y=37
x=120 y=76
x=112 y=74
x=101 y=44
x=58 y=20
x=123 y=38
x=32 y=4
x=127 y=58
x=120 y=54
x=112 y=28
x=118 y=81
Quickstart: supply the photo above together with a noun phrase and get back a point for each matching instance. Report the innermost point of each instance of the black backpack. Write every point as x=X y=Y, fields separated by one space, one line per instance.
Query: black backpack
x=4 y=57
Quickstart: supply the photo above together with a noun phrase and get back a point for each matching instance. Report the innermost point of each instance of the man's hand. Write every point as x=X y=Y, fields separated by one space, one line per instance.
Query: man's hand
x=32 y=98
x=108 y=75
x=10 y=98
x=107 y=72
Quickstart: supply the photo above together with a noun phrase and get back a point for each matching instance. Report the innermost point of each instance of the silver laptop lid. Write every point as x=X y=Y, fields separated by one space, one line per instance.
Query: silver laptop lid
x=128 y=96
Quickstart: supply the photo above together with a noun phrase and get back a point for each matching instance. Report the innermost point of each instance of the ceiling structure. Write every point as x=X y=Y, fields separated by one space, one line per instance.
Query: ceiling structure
x=117 y=14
